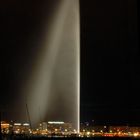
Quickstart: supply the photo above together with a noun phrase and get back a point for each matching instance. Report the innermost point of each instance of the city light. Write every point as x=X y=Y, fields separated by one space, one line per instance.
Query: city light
x=26 y=124
x=17 y=124
x=136 y=134
x=64 y=129
x=56 y=122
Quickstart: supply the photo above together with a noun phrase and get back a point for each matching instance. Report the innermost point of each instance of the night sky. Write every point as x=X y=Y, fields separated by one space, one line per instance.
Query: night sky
x=110 y=72
x=110 y=62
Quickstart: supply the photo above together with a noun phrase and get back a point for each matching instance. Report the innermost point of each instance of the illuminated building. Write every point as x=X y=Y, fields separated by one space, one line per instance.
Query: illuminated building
x=26 y=128
x=59 y=127
x=21 y=128
x=17 y=128
x=43 y=126
x=5 y=127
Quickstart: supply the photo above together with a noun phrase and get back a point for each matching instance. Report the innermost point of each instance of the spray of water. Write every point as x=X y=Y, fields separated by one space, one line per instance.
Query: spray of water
x=53 y=87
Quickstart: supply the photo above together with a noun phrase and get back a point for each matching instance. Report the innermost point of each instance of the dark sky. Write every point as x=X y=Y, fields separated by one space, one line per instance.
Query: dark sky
x=110 y=73
x=110 y=62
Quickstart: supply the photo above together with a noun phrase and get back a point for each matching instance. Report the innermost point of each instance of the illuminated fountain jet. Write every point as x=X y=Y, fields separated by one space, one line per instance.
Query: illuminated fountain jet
x=53 y=88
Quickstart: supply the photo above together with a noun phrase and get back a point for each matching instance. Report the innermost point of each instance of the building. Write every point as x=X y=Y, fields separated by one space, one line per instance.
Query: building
x=5 y=127
x=59 y=127
x=43 y=126
x=19 y=128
